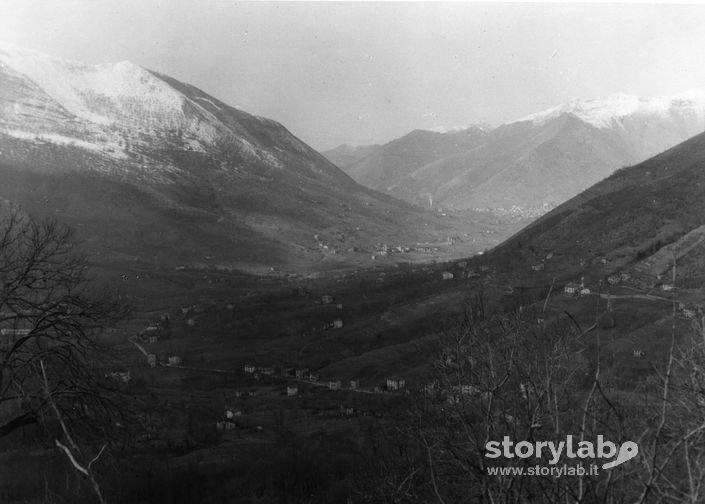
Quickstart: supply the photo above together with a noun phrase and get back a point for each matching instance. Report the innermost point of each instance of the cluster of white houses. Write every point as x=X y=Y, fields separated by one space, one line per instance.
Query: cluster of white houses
x=304 y=374
x=580 y=289
x=452 y=394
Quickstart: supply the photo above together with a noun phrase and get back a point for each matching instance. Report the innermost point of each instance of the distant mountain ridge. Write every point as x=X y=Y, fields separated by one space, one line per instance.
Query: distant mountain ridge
x=532 y=164
x=148 y=166
x=390 y=167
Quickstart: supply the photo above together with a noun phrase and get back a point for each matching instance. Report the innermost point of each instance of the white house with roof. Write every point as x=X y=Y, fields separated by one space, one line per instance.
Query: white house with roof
x=573 y=289
x=395 y=383
x=174 y=360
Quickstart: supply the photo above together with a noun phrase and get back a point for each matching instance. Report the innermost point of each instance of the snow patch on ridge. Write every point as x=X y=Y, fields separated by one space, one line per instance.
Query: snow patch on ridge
x=108 y=149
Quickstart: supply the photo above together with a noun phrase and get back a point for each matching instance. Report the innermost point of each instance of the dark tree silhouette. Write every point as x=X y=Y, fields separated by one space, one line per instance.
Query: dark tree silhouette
x=48 y=314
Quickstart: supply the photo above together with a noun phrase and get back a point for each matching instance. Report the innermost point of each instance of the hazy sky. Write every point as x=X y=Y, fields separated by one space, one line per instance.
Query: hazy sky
x=365 y=72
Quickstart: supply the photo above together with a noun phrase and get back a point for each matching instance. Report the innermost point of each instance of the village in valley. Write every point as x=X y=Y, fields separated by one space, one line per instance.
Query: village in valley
x=331 y=354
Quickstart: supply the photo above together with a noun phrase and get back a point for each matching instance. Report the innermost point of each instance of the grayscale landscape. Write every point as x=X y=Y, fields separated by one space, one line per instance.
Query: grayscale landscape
x=340 y=252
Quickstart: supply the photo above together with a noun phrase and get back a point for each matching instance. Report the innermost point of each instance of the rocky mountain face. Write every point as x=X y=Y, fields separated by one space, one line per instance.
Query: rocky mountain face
x=145 y=166
x=531 y=165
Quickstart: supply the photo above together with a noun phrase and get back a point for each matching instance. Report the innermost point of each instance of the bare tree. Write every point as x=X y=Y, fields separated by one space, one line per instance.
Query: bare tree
x=70 y=447
x=503 y=374
x=48 y=313
x=674 y=439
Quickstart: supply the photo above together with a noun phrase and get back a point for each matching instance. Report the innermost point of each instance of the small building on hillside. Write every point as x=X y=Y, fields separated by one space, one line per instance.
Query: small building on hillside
x=300 y=373
x=152 y=360
x=232 y=413
x=613 y=279
x=447 y=275
x=538 y=267
x=571 y=289
x=249 y=368
x=335 y=385
x=174 y=360
x=15 y=332
x=395 y=383
x=666 y=287
x=120 y=376
x=225 y=425
x=292 y=391
x=354 y=384
x=337 y=324
x=326 y=299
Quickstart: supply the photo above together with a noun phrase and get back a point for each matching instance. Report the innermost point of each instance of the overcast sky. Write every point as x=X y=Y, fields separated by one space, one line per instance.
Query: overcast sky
x=365 y=72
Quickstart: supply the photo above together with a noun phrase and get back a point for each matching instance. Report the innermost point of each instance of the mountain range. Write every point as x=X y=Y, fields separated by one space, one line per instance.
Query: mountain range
x=144 y=166
x=533 y=164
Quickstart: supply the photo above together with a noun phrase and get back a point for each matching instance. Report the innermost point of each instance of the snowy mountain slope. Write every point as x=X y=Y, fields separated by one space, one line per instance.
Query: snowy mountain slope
x=119 y=108
x=147 y=166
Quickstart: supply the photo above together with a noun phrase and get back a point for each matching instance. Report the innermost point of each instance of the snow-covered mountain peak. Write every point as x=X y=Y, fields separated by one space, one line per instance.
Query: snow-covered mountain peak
x=134 y=118
x=96 y=93
x=604 y=112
